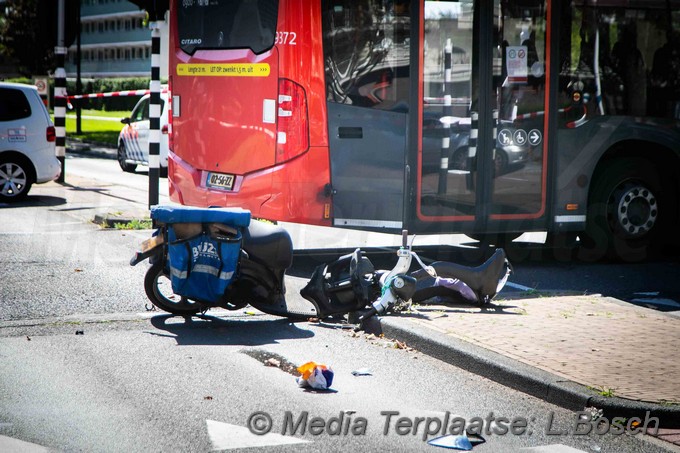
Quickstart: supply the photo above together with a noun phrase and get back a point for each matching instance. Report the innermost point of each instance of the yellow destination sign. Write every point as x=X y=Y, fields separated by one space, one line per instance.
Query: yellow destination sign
x=223 y=69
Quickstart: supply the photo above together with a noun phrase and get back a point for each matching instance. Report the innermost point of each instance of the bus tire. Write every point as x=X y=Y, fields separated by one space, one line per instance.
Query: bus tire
x=628 y=212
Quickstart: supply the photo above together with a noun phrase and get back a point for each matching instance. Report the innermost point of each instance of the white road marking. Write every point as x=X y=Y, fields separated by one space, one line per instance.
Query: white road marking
x=555 y=448
x=20 y=446
x=518 y=286
x=658 y=301
x=227 y=437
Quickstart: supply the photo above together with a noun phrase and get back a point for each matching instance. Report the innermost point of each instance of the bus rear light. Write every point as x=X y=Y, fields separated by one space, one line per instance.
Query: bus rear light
x=292 y=121
x=164 y=129
x=171 y=113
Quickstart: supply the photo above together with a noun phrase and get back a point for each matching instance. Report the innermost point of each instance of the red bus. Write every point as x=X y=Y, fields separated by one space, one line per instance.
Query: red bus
x=484 y=117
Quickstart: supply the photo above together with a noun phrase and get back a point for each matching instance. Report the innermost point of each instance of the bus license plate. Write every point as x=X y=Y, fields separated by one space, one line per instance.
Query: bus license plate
x=221 y=180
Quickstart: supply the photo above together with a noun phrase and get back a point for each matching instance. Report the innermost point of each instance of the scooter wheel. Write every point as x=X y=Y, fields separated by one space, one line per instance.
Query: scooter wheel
x=159 y=291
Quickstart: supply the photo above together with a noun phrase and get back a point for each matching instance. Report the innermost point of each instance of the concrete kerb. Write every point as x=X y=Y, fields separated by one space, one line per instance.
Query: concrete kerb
x=522 y=377
x=100 y=150
x=111 y=220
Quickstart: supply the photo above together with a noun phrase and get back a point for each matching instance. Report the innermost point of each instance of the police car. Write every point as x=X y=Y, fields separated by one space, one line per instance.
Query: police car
x=27 y=142
x=133 y=141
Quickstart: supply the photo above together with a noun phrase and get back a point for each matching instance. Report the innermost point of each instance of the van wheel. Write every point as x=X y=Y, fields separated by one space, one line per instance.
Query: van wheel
x=122 y=158
x=628 y=211
x=15 y=179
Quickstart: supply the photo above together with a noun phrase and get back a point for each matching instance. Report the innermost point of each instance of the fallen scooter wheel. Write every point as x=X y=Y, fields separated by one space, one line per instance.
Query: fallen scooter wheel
x=159 y=291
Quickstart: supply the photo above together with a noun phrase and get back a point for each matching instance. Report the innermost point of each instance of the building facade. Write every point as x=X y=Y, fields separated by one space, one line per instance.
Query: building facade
x=115 y=42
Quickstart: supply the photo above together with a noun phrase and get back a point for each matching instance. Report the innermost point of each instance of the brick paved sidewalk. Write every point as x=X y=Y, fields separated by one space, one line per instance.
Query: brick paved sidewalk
x=616 y=348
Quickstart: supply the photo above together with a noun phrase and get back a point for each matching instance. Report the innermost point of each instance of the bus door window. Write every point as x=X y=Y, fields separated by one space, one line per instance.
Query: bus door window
x=446 y=180
x=366 y=58
x=519 y=82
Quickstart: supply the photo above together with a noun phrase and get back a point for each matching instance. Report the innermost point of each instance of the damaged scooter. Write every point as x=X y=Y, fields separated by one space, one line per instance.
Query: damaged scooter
x=204 y=258
x=352 y=283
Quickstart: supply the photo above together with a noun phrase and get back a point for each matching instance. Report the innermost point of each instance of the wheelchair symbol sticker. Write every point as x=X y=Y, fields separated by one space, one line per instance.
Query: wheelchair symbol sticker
x=520 y=137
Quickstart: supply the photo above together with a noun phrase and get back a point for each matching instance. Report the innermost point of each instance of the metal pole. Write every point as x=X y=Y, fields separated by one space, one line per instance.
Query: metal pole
x=60 y=93
x=79 y=83
x=448 y=112
x=154 y=114
x=472 y=150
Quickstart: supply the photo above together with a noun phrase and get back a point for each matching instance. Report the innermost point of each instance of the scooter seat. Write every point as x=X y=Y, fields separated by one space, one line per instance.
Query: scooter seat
x=268 y=244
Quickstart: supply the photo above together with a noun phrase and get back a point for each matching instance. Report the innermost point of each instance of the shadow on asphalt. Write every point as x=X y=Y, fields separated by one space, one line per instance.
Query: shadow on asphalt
x=205 y=330
x=35 y=200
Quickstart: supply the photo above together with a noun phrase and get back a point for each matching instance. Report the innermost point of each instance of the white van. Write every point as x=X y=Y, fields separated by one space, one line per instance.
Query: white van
x=27 y=142
x=133 y=141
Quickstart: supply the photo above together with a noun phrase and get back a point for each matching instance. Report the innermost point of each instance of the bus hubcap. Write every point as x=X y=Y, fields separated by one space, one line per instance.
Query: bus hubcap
x=636 y=209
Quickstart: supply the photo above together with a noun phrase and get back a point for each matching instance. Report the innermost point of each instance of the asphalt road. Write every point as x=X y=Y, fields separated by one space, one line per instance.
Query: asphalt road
x=85 y=367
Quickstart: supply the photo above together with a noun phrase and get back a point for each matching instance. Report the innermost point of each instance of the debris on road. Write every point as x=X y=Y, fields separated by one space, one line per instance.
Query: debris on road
x=315 y=375
x=362 y=372
x=272 y=362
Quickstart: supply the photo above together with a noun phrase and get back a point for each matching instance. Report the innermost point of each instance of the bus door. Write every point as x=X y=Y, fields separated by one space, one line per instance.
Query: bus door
x=366 y=57
x=482 y=90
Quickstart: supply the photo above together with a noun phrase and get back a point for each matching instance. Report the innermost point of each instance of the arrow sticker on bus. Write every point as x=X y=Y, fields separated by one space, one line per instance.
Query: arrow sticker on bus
x=223 y=69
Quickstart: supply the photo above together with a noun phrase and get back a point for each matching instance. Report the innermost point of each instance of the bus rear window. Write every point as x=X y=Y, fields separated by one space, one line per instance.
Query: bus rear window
x=226 y=24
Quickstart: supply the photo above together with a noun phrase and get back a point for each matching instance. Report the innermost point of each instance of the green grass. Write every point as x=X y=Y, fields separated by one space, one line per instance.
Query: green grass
x=96 y=130
x=135 y=224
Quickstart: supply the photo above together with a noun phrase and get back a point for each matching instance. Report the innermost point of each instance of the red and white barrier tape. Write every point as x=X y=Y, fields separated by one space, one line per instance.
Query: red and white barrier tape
x=113 y=94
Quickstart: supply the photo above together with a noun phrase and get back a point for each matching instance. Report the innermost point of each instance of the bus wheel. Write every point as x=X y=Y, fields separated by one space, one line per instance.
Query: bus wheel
x=626 y=214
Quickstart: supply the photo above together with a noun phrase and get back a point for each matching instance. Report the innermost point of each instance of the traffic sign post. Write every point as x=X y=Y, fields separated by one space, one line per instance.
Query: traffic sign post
x=60 y=93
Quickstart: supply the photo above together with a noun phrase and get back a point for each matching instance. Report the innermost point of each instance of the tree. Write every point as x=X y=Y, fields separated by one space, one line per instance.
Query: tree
x=28 y=33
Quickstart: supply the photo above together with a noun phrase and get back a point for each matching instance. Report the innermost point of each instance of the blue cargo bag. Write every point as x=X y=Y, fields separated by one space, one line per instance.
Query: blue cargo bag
x=202 y=265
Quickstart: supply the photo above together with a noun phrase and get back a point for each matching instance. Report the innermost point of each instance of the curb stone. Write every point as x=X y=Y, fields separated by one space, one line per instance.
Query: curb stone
x=519 y=376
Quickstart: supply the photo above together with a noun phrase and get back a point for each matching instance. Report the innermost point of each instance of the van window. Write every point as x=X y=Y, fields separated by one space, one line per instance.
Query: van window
x=226 y=24
x=141 y=111
x=13 y=105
